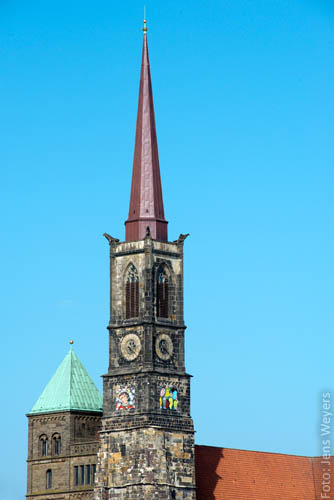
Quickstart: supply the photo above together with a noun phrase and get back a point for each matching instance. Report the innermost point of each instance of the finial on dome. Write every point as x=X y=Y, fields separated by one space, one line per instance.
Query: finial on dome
x=71 y=342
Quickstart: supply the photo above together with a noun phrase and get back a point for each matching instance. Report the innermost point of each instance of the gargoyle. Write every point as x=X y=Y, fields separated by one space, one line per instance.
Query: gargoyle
x=181 y=239
x=110 y=238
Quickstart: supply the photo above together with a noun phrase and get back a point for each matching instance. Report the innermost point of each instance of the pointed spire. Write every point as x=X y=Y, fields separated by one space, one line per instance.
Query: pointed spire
x=146 y=203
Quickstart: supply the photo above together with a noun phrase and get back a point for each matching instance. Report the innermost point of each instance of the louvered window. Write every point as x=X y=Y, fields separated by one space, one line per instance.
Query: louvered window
x=132 y=293
x=162 y=295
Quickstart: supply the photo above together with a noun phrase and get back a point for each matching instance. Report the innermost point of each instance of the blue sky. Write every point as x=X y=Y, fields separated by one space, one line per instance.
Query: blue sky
x=243 y=93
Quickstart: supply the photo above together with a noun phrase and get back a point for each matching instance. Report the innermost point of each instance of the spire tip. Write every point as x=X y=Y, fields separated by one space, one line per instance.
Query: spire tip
x=145 y=29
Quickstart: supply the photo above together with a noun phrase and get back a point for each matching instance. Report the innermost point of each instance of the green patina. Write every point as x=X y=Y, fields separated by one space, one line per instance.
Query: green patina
x=70 y=388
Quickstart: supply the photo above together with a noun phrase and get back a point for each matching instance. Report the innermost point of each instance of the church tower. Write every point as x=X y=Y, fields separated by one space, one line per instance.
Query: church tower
x=147 y=438
x=64 y=426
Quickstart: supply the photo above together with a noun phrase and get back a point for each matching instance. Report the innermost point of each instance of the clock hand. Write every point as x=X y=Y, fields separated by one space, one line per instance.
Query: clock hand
x=131 y=348
x=163 y=347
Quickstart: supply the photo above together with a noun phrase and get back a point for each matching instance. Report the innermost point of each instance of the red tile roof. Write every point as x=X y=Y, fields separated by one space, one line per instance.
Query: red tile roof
x=228 y=474
x=323 y=474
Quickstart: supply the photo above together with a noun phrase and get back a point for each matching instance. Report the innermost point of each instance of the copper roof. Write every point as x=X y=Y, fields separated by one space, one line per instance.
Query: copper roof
x=146 y=204
x=228 y=474
x=70 y=388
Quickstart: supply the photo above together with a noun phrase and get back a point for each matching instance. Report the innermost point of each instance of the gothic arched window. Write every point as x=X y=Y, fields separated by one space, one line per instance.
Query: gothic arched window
x=56 y=444
x=43 y=446
x=162 y=294
x=131 y=293
x=48 y=479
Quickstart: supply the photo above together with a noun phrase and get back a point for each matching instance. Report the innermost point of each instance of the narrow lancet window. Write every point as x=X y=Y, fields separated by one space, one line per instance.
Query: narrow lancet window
x=76 y=475
x=48 y=479
x=131 y=293
x=162 y=294
x=56 y=444
x=82 y=474
x=44 y=446
x=87 y=474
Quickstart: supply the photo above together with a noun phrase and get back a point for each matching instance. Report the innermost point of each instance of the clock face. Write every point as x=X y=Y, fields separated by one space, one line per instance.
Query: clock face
x=130 y=346
x=164 y=346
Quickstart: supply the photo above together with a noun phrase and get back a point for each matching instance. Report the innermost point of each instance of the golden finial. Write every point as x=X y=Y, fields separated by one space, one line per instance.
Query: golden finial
x=145 y=27
x=71 y=342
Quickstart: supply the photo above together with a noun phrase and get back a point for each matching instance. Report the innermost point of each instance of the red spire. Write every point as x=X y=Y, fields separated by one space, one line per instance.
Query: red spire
x=146 y=204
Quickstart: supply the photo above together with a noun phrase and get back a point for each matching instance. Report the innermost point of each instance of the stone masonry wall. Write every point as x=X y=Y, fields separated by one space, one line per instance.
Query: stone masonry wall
x=146 y=255
x=79 y=445
x=147 y=437
x=146 y=464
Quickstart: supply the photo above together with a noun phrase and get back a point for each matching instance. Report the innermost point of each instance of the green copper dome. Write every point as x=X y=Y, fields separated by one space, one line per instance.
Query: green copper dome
x=70 y=388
